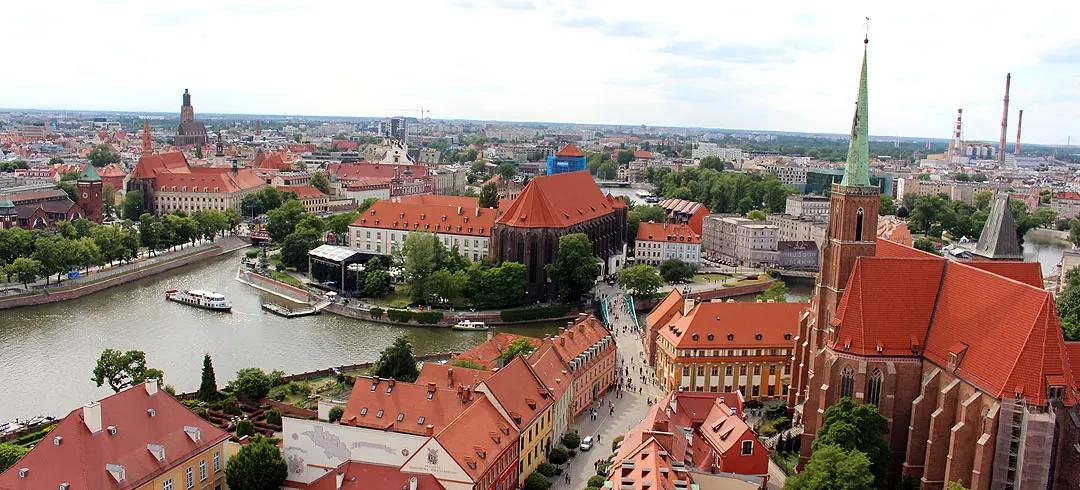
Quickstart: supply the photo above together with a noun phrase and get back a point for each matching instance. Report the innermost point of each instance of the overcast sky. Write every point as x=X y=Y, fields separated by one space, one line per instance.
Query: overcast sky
x=767 y=65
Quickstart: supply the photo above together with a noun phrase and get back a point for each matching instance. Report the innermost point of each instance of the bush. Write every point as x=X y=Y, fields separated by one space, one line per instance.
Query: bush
x=400 y=316
x=227 y=405
x=536 y=481
x=245 y=428
x=559 y=455
x=376 y=312
x=597 y=481
x=300 y=388
x=546 y=469
x=202 y=413
x=428 y=317
x=273 y=417
x=335 y=413
x=251 y=254
x=571 y=440
x=526 y=314
x=616 y=442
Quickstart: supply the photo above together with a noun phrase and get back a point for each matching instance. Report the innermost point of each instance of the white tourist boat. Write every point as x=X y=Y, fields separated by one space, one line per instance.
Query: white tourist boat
x=198 y=298
x=470 y=325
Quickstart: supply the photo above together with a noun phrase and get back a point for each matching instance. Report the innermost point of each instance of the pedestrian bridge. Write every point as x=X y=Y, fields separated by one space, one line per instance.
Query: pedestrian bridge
x=796 y=273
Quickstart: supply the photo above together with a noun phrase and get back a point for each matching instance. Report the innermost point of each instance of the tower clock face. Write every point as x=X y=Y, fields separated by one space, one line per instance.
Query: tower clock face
x=85 y=195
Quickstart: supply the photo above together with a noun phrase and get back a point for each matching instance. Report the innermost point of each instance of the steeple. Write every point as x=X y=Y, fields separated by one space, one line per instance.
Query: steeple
x=187 y=112
x=998 y=239
x=89 y=174
x=857 y=169
x=147 y=145
x=220 y=145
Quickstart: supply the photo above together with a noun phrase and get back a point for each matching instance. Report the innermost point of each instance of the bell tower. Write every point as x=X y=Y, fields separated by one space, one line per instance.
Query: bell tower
x=187 y=112
x=90 y=195
x=147 y=143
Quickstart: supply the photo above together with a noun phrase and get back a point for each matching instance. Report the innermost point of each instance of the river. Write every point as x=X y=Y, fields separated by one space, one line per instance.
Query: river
x=48 y=353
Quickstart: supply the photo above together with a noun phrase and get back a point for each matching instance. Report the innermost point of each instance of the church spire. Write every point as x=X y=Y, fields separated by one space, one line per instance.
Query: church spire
x=857 y=169
x=147 y=145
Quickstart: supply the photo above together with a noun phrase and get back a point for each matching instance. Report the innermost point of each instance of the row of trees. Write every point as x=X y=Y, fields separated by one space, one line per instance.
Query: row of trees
x=177 y=229
x=435 y=274
x=935 y=214
x=29 y=255
x=723 y=192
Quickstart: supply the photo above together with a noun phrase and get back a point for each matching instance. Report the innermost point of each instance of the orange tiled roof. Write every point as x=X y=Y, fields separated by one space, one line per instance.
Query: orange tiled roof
x=303 y=191
x=417 y=405
x=488 y=353
x=578 y=337
x=520 y=393
x=364 y=476
x=81 y=457
x=365 y=170
x=150 y=166
x=112 y=170
x=776 y=323
x=557 y=201
x=1073 y=196
x=551 y=370
x=642 y=154
x=210 y=179
x=477 y=437
x=670 y=307
x=1072 y=352
x=273 y=160
x=449 y=376
x=569 y=151
x=1025 y=272
x=666 y=232
x=408 y=216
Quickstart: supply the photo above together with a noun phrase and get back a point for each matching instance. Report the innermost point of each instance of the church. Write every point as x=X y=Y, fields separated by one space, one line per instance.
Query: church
x=966 y=360
x=189 y=132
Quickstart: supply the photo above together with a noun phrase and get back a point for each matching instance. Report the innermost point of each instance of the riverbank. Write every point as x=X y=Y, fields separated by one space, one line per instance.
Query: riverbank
x=69 y=292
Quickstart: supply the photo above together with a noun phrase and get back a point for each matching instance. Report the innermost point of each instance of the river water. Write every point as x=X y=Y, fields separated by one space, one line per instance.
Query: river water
x=47 y=352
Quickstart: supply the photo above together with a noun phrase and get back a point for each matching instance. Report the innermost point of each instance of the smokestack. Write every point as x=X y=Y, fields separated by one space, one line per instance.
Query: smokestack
x=1004 y=119
x=956 y=144
x=1019 y=126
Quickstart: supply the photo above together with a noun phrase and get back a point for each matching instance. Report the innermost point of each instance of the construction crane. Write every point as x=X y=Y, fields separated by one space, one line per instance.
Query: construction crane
x=423 y=115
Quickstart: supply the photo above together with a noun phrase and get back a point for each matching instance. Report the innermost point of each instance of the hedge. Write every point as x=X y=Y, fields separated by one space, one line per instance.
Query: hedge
x=401 y=316
x=376 y=313
x=526 y=314
x=425 y=317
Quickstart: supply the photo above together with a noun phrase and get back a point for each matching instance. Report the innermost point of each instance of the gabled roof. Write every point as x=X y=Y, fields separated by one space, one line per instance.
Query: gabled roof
x=1025 y=272
x=438 y=406
x=519 y=392
x=448 y=376
x=998 y=239
x=81 y=457
x=569 y=151
x=670 y=307
x=666 y=232
x=488 y=353
x=552 y=371
x=776 y=323
x=303 y=191
x=578 y=337
x=889 y=248
x=477 y=437
x=435 y=218
x=557 y=201
x=364 y=476
x=273 y=160
x=210 y=180
x=150 y=166
x=681 y=206
x=367 y=170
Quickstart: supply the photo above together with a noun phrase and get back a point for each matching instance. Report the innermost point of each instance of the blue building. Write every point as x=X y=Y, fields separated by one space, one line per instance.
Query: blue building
x=568 y=159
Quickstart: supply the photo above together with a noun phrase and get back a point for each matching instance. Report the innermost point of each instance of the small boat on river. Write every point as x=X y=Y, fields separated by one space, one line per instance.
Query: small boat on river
x=470 y=325
x=285 y=311
x=207 y=300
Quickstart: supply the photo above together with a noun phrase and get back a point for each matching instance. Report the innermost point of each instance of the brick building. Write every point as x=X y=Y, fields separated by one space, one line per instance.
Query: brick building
x=189 y=132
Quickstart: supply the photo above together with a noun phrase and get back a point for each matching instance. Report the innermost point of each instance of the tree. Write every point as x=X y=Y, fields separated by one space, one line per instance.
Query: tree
x=11 y=454
x=421 y=254
x=1043 y=217
x=756 y=215
x=198 y=152
x=397 y=361
x=121 y=370
x=887 y=206
x=676 y=270
x=607 y=170
x=596 y=481
x=445 y=287
x=520 y=346
x=377 y=283
x=983 y=198
x=320 y=182
x=559 y=455
x=924 y=177
x=575 y=269
x=571 y=440
x=25 y=270
x=642 y=214
x=56 y=161
x=245 y=428
x=467 y=364
x=281 y=222
x=857 y=427
x=536 y=481
x=102 y=155
x=711 y=162
x=338 y=224
x=507 y=170
x=336 y=412
x=643 y=279
x=295 y=247
x=133 y=206
x=962 y=177
x=547 y=469
x=252 y=383
x=208 y=389
x=925 y=245
x=979 y=177
x=833 y=468
x=777 y=292
x=273 y=417
x=69 y=188
x=489 y=196
x=366 y=204
x=624 y=157
x=257 y=466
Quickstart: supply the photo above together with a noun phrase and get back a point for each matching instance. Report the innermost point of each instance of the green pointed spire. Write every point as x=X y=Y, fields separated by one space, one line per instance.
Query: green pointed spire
x=89 y=174
x=857 y=169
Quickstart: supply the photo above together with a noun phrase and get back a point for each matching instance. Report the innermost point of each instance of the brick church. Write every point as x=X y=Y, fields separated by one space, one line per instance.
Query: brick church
x=965 y=359
x=189 y=132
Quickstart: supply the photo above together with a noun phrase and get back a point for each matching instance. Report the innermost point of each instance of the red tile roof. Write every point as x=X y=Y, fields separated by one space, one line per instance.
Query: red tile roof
x=551 y=370
x=888 y=248
x=557 y=201
x=1072 y=351
x=150 y=166
x=364 y=476
x=569 y=151
x=436 y=218
x=665 y=232
x=367 y=170
x=1067 y=195
x=437 y=406
x=477 y=437
x=303 y=191
x=448 y=376
x=1025 y=272
x=112 y=170
x=776 y=323
x=578 y=337
x=519 y=392
x=272 y=160
x=642 y=154
x=670 y=307
x=488 y=353
x=210 y=179
x=81 y=457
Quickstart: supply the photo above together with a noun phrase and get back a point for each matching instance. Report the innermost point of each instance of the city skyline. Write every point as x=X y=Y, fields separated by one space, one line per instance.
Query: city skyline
x=573 y=62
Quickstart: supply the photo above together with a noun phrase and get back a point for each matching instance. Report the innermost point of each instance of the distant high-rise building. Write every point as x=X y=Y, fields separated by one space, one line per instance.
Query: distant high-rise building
x=395 y=127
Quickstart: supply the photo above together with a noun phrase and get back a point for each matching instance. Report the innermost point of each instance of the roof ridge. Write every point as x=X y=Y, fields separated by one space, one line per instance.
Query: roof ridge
x=933 y=311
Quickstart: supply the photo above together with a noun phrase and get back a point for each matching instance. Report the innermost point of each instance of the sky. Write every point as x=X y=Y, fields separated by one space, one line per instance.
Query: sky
x=773 y=66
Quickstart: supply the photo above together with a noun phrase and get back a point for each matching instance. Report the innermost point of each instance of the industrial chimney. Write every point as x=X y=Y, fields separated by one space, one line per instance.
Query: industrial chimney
x=1019 y=126
x=1004 y=119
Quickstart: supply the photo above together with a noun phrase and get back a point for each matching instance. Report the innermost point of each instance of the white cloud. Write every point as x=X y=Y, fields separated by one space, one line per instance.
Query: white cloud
x=781 y=65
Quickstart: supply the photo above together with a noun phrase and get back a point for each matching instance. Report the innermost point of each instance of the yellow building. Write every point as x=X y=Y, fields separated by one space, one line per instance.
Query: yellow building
x=520 y=395
x=139 y=438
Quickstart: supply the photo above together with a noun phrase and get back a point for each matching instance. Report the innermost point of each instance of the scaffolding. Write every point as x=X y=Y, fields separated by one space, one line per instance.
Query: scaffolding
x=1023 y=451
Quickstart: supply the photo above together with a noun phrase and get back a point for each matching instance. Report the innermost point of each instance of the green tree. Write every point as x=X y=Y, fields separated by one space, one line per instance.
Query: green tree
x=25 y=270
x=273 y=416
x=642 y=214
x=676 y=270
x=245 y=428
x=956 y=485
x=69 y=188
x=507 y=170
x=366 y=204
x=376 y=283
x=320 y=182
x=397 y=361
x=338 y=224
x=295 y=248
x=547 y=469
x=55 y=254
x=1074 y=232
x=756 y=215
x=56 y=161
x=445 y=287
x=834 y=468
x=489 y=196
x=149 y=232
x=857 y=427
x=983 y=199
x=422 y=253
x=887 y=206
x=198 y=152
x=559 y=455
x=123 y=369
x=575 y=269
x=208 y=389
x=133 y=206
x=11 y=454
x=257 y=466
x=925 y=245
x=596 y=481
x=14 y=243
x=232 y=219
x=962 y=177
x=467 y=364
x=102 y=155
x=336 y=412
x=924 y=177
x=520 y=346
x=643 y=279
x=536 y=481
x=979 y=177
x=571 y=440
x=282 y=221
x=624 y=157
x=252 y=383
x=607 y=170
x=777 y=292
x=710 y=162
x=1043 y=217
x=86 y=253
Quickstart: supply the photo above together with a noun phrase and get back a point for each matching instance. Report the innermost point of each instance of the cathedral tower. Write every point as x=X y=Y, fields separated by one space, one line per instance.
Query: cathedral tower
x=147 y=143
x=187 y=112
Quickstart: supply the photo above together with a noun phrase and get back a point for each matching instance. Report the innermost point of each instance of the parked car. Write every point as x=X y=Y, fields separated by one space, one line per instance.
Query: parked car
x=586 y=443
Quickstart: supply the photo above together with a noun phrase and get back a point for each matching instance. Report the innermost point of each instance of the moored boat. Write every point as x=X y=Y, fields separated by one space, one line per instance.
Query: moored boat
x=198 y=298
x=470 y=325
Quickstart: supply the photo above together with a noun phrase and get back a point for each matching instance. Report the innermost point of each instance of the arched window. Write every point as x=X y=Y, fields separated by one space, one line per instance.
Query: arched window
x=847 y=382
x=858 y=226
x=873 y=387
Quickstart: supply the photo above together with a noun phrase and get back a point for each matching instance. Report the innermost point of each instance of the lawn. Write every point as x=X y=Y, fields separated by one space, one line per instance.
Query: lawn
x=398 y=298
x=286 y=278
x=706 y=278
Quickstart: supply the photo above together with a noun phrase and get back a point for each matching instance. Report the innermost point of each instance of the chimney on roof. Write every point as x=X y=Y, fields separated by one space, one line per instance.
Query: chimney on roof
x=429 y=430
x=490 y=335
x=547 y=336
x=459 y=210
x=449 y=377
x=412 y=483
x=562 y=340
x=339 y=478
x=91 y=415
x=570 y=332
x=688 y=304
x=151 y=387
